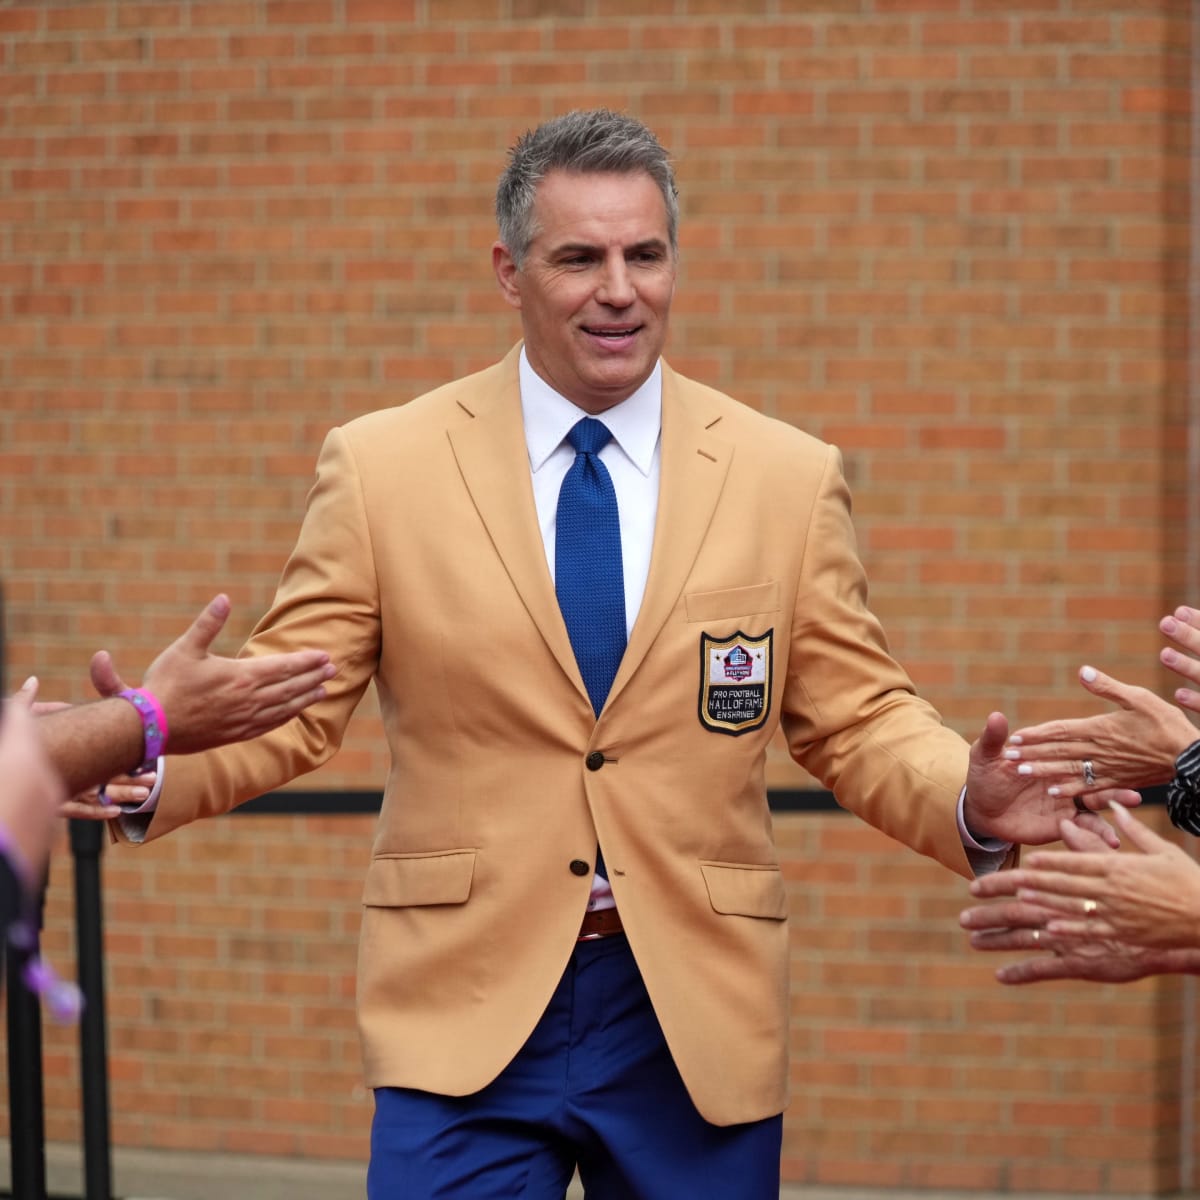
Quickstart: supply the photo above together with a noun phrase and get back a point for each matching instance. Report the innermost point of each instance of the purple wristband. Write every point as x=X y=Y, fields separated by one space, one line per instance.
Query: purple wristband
x=154 y=726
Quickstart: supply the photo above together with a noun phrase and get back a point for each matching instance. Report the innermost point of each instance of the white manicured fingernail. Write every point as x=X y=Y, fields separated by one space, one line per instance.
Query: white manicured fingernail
x=1012 y=754
x=1054 y=791
x=1024 y=769
x=1088 y=674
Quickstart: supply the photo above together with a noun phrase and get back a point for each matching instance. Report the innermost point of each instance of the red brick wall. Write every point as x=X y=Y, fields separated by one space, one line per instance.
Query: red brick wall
x=950 y=235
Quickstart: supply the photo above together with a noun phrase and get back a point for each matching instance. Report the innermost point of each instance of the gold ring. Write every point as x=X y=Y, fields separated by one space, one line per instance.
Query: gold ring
x=1089 y=908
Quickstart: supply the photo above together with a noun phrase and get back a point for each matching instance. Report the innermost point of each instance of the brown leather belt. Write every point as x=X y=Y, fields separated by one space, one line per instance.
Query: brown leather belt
x=600 y=923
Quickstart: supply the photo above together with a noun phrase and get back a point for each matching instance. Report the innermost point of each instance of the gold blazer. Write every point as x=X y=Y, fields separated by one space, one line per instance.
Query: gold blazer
x=420 y=565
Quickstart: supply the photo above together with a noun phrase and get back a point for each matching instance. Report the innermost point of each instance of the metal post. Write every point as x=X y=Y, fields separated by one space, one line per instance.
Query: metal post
x=87 y=839
x=26 y=1103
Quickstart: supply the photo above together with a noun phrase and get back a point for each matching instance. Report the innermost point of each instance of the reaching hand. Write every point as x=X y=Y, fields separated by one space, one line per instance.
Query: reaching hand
x=1136 y=746
x=210 y=700
x=1047 y=887
x=1001 y=803
x=1148 y=897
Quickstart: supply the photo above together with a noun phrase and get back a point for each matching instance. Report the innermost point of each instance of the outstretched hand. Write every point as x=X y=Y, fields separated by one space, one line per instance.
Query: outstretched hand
x=1023 y=918
x=209 y=700
x=1134 y=746
x=1002 y=803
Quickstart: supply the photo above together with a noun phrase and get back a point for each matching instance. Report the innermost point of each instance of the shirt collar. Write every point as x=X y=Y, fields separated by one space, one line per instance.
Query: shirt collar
x=635 y=423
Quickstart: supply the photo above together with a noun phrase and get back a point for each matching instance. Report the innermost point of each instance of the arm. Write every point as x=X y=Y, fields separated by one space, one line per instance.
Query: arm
x=207 y=700
x=30 y=790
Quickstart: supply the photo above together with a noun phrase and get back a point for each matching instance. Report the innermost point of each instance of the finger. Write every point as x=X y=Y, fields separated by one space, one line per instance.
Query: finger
x=1086 y=929
x=1048 y=731
x=1188 y=699
x=1001 y=940
x=1180 y=663
x=204 y=629
x=994 y=735
x=1067 y=897
x=120 y=793
x=88 y=812
x=1097 y=825
x=1138 y=832
x=1183 y=627
x=998 y=883
x=104 y=675
x=1082 y=840
x=297 y=671
x=1034 y=970
x=1041 y=863
x=1106 y=687
x=1007 y=914
x=26 y=694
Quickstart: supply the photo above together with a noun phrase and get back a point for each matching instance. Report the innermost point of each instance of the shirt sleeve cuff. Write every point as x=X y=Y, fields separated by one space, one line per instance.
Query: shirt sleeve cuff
x=985 y=855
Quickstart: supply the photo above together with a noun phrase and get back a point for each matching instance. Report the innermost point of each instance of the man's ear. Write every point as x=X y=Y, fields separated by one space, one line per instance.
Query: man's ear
x=507 y=274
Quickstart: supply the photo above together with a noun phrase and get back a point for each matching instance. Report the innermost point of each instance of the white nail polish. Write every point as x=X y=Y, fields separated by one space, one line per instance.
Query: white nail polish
x=1088 y=674
x=1024 y=769
x=1054 y=791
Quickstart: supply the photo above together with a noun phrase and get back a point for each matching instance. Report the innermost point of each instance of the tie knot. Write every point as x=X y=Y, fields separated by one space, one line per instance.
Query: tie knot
x=589 y=436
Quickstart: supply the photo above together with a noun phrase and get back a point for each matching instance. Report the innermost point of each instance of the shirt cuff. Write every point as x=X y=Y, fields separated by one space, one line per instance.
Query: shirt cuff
x=135 y=819
x=985 y=855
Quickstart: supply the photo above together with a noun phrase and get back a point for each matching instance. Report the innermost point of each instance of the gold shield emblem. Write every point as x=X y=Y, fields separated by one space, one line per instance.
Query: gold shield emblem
x=735 y=682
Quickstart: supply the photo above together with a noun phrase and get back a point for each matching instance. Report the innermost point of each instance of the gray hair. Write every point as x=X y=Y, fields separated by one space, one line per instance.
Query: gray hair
x=585 y=142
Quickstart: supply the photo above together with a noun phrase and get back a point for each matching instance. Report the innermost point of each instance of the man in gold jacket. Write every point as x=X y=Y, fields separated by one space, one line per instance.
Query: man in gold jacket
x=523 y=1012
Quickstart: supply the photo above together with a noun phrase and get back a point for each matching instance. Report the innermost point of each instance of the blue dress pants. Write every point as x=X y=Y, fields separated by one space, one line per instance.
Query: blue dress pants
x=593 y=1087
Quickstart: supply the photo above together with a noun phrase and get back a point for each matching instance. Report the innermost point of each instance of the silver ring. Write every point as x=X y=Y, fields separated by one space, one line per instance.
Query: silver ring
x=1089 y=776
x=1089 y=908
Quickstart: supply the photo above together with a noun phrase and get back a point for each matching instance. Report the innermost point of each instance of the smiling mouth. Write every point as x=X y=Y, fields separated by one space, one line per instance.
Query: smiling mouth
x=612 y=334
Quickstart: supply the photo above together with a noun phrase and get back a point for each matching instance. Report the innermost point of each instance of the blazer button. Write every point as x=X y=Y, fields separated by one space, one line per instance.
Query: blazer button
x=579 y=867
x=594 y=761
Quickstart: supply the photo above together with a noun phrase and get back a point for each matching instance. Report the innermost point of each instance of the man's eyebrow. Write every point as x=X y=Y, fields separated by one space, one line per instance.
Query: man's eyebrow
x=594 y=248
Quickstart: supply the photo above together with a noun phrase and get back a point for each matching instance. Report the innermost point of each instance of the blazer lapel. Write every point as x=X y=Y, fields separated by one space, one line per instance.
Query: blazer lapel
x=695 y=462
x=494 y=460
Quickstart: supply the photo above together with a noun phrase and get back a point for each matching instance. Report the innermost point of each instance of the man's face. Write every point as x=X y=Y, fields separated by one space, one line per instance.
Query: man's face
x=596 y=285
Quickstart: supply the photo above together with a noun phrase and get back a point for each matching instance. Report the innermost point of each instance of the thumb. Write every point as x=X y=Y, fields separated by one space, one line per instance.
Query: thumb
x=995 y=734
x=26 y=694
x=1140 y=834
x=104 y=675
x=206 y=626
x=1106 y=687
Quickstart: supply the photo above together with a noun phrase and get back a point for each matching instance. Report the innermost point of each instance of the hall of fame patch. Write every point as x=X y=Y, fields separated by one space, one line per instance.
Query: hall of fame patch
x=735 y=682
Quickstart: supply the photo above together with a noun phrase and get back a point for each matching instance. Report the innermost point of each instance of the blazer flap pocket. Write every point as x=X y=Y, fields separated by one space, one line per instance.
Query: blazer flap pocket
x=746 y=890
x=408 y=879
x=733 y=602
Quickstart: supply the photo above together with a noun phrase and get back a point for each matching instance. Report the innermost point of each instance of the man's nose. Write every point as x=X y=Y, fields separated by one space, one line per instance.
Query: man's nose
x=616 y=285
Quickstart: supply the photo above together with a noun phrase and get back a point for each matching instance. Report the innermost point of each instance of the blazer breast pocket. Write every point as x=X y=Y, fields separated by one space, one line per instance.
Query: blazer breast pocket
x=733 y=602
x=746 y=890
x=404 y=880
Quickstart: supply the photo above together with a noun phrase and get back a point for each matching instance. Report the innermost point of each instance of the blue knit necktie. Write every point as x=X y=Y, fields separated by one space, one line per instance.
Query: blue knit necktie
x=588 y=576
x=587 y=562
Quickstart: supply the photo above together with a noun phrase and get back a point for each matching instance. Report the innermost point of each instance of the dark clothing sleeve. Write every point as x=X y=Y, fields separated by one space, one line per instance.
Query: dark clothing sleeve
x=1183 y=794
x=12 y=902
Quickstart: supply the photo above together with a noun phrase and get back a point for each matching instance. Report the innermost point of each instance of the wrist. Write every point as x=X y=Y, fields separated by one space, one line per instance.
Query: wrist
x=154 y=726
